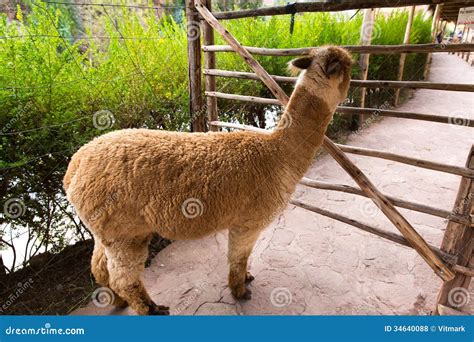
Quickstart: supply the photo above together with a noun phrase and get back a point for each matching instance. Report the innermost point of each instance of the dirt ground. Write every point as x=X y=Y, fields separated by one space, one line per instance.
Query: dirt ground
x=57 y=284
x=312 y=265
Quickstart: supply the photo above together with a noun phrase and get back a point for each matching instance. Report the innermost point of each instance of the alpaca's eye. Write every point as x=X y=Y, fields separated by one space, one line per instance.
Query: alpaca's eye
x=333 y=68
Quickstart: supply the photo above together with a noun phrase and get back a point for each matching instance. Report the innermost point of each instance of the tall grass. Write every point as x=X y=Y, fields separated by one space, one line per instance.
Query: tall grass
x=317 y=29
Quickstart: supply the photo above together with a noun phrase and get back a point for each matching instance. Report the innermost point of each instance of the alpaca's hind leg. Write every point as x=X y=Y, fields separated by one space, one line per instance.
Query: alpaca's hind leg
x=241 y=242
x=99 y=264
x=100 y=271
x=125 y=262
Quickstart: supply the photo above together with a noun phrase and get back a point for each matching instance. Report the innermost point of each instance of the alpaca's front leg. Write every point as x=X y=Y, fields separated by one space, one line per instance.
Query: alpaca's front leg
x=241 y=242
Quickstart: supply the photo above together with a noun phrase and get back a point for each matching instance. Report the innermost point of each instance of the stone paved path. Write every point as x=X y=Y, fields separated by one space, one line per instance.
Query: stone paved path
x=308 y=264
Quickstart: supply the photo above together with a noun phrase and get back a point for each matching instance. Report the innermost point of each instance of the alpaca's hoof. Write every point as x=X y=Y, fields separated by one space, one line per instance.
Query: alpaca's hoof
x=247 y=294
x=159 y=310
x=249 y=278
x=244 y=294
x=119 y=302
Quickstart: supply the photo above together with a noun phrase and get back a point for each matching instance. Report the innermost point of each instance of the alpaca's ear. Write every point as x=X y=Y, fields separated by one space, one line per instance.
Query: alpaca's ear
x=300 y=64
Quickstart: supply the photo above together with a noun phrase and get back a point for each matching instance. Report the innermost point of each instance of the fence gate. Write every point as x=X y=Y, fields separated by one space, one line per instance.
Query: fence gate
x=453 y=262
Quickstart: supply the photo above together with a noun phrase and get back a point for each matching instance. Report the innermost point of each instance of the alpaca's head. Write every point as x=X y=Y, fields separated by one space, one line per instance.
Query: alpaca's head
x=325 y=72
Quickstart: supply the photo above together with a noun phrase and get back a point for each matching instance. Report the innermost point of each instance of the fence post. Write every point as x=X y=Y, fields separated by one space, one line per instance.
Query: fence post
x=198 y=123
x=469 y=52
x=365 y=39
x=467 y=38
x=434 y=27
x=464 y=30
x=443 y=27
x=210 y=63
x=459 y=240
x=403 y=56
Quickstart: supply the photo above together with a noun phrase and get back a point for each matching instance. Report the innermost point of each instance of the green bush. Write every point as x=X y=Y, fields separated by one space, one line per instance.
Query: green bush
x=57 y=93
x=59 y=88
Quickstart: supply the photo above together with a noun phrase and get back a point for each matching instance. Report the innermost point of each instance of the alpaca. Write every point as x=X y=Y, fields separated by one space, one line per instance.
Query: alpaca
x=129 y=183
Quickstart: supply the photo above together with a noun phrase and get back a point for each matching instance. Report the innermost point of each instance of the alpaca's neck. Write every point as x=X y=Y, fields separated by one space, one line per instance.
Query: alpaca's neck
x=301 y=130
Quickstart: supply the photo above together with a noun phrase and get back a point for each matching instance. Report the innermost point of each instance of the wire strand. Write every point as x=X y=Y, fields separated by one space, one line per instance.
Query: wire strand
x=113 y=5
x=79 y=38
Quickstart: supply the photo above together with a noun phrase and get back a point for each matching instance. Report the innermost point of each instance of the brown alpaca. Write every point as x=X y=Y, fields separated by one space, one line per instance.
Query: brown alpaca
x=127 y=184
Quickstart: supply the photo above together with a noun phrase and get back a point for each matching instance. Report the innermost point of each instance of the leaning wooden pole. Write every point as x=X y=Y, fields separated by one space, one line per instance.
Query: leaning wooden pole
x=415 y=240
x=198 y=123
x=459 y=240
x=403 y=56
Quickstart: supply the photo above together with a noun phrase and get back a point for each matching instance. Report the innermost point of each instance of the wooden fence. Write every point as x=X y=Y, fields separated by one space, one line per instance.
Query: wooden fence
x=453 y=262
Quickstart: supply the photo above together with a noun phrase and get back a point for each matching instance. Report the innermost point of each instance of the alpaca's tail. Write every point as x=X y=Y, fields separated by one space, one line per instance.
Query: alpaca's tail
x=71 y=171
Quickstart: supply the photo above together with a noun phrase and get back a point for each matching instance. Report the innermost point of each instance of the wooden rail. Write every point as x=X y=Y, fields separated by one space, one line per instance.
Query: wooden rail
x=372 y=49
x=245 y=98
x=464 y=270
x=413 y=85
x=325 y=6
x=354 y=83
x=396 y=201
x=455 y=170
x=238 y=126
x=407 y=115
x=412 y=236
x=354 y=110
